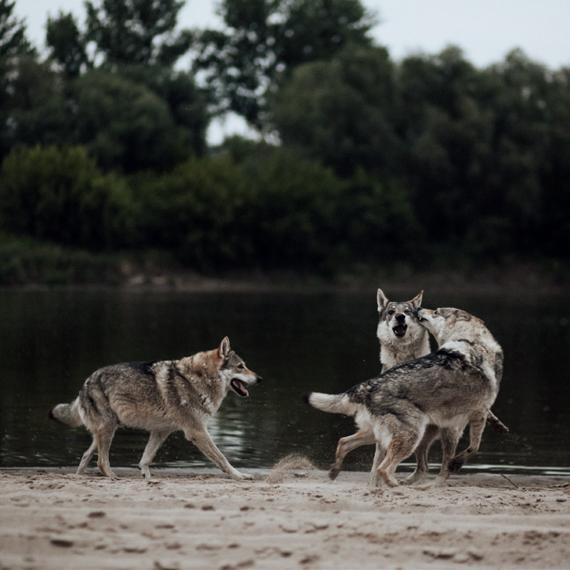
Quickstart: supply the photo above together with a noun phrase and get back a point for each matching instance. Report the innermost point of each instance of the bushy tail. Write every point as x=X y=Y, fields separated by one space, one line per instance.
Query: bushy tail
x=332 y=403
x=67 y=414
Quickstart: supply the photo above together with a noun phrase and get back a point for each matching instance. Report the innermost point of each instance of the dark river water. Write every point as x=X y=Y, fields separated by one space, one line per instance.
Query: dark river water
x=51 y=340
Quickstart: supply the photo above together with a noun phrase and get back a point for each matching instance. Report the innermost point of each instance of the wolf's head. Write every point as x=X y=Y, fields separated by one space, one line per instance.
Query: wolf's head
x=397 y=320
x=446 y=323
x=232 y=370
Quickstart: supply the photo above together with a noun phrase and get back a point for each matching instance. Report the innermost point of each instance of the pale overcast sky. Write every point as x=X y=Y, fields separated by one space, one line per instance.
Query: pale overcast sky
x=485 y=29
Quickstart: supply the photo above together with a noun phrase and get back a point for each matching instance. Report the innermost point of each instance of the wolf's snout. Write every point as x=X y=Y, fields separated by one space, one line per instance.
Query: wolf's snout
x=401 y=327
x=421 y=315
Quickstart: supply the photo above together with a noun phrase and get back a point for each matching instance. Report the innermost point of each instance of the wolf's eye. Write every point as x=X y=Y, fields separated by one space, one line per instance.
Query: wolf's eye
x=391 y=312
x=407 y=312
x=241 y=366
x=435 y=312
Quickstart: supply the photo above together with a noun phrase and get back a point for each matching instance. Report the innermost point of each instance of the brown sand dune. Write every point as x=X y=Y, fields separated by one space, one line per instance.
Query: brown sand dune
x=53 y=519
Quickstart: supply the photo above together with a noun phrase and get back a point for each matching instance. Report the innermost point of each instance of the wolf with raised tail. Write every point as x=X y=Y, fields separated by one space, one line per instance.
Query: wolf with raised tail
x=449 y=388
x=159 y=397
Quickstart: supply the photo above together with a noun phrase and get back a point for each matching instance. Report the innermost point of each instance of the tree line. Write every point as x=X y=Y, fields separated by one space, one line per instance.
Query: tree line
x=360 y=159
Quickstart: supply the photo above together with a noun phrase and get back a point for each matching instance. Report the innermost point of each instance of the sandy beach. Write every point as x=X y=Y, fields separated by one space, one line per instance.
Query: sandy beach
x=51 y=518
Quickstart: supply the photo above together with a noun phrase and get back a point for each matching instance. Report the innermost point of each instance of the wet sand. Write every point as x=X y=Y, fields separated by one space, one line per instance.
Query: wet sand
x=195 y=519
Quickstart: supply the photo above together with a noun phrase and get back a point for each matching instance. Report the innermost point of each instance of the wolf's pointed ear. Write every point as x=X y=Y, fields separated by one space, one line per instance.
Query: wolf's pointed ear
x=224 y=348
x=381 y=300
x=417 y=300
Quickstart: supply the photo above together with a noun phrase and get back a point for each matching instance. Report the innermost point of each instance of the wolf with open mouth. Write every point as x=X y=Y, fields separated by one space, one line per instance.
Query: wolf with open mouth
x=160 y=397
x=401 y=336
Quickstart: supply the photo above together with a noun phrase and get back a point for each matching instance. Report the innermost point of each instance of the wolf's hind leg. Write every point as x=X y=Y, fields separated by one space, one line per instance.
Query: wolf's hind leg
x=203 y=441
x=401 y=446
x=104 y=437
x=449 y=439
x=378 y=456
x=345 y=445
x=476 y=428
x=156 y=439
x=422 y=454
x=86 y=458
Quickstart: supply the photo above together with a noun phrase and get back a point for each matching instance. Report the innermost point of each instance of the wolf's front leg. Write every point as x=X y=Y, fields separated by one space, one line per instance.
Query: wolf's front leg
x=203 y=441
x=156 y=439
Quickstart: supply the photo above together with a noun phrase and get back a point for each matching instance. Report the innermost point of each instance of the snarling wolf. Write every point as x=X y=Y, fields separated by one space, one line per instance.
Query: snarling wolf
x=160 y=397
x=402 y=338
x=399 y=332
x=449 y=388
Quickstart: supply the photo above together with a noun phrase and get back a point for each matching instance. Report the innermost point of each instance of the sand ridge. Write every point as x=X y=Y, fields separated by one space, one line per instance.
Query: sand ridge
x=184 y=519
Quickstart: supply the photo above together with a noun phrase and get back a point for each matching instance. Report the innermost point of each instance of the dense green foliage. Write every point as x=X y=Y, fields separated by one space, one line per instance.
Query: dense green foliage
x=372 y=161
x=264 y=40
x=60 y=195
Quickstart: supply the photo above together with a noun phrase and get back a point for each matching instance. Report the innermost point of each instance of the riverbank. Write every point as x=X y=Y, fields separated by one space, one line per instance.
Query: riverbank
x=50 y=518
x=29 y=263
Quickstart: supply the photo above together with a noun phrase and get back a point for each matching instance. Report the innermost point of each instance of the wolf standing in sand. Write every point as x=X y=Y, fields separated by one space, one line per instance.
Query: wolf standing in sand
x=402 y=338
x=159 y=397
x=450 y=388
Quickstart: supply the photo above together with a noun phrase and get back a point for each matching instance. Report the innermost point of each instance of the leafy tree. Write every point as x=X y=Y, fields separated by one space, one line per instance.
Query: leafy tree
x=66 y=44
x=58 y=194
x=136 y=32
x=13 y=39
x=266 y=39
x=294 y=211
x=13 y=45
x=378 y=222
x=448 y=135
x=186 y=102
x=125 y=125
x=197 y=211
x=340 y=111
x=37 y=107
x=555 y=173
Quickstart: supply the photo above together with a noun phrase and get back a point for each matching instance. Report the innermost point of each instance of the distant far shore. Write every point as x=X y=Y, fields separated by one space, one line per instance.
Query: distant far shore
x=27 y=263
x=524 y=279
x=183 y=518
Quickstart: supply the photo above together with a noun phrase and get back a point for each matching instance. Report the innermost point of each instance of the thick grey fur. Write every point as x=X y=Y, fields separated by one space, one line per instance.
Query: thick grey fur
x=160 y=397
x=452 y=387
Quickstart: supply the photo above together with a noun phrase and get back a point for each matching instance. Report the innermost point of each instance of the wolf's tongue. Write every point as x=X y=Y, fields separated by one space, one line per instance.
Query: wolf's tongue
x=239 y=387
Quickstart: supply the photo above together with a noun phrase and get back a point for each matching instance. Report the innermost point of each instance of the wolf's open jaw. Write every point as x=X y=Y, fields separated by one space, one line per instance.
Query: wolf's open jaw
x=400 y=330
x=239 y=387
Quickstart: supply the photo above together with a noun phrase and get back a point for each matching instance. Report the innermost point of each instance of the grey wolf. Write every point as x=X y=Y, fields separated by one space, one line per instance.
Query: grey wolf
x=449 y=388
x=159 y=397
x=402 y=338
x=399 y=332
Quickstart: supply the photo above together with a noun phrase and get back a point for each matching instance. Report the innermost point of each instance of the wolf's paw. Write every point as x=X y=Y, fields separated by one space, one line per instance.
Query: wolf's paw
x=415 y=477
x=333 y=473
x=238 y=476
x=373 y=483
x=145 y=472
x=455 y=464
